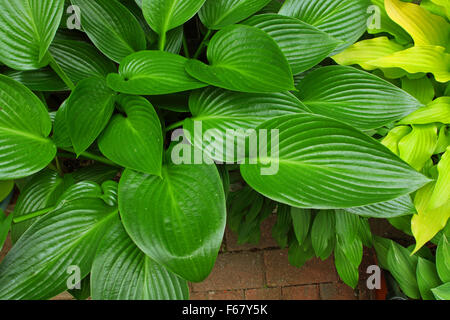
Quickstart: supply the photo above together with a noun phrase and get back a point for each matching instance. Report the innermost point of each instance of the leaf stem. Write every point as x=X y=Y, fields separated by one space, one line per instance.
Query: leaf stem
x=91 y=156
x=174 y=125
x=60 y=72
x=203 y=44
x=162 y=41
x=185 y=47
x=33 y=215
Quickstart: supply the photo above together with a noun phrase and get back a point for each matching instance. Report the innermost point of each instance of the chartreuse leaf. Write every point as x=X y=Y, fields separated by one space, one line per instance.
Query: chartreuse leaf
x=427 y=278
x=303 y=45
x=153 y=73
x=301 y=220
x=424 y=27
x=441 y=193
x=227 y=116
x=6 y=187
x=217 y=14
x=164 y=15
x=442 y=292
x=443 y=259
x=175 y=220
x=422 y=89
x=39 y=264
x=347 y=271
x=345 y=20
x=425 y=58
x=5 y=225
x=323 y=163
x=394 y=136
x=89 y=108
x=355 y=97
x=80 y=60
x=246 y=59
x=41 y=192
x=111 y=27
x=134 y=139
x=121 y=271
x=445 y=5
x=44 y=79
x=436 y=111
x=402 y=265
x=419 y=145
x=443 y=140
x=27 y=27
x=24 y=128
x=401 y=206
x=323 y=234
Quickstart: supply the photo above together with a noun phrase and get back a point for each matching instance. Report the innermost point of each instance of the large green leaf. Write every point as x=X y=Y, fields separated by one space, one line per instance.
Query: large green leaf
x=153 y=73
x=24 y=128
x=427 y=278
x=401 y=206
x=80 y=60
x=134 y=139
x=111 y=27
x=27 y=27
x=123 y=272
x=355 y=97
x=225 y=116
x=37 y=266
x=89 y=108
x=164 y=15
x=322 y=163
x=303 y=45
x=244 y=58
x=443 y=259
x=216 y=14
x=175 y=220
x=345 y=20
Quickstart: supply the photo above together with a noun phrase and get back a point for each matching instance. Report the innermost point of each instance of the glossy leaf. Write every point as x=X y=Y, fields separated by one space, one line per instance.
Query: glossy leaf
x=443 y=259
x=134 y=139
x=427 y=278
x=441 y=192
x=175 y=220
x=301 y=220
x=399 y=207
x=26 y=30
x=24 y=128
x=381 y=246
x=347 y=271
x=436 y=111
x=355 y=97
x=394 y=136
x=326 y=164
x=61 y=135
x=89 y=108
x=245 y=59
x=421 y=89
x=44 y=79
x=121 y=271
x=442 y=292
x=153 y=73
x=323 y=233
x=303 y=45
x=111 y=27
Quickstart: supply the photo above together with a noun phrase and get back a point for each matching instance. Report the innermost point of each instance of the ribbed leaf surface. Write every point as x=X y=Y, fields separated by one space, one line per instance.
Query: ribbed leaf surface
x=44 y=79
x=401 y=206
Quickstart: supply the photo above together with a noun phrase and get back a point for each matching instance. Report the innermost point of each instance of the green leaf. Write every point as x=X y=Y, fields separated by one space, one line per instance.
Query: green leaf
x=323 y=233
x=347 y=225
x=355 y=97
x=325 y=164
x=443 y=259
x=175 y=220
x=345 y=20
x=123 y=272
x=6 y=186
x=60 y=128
x=164 y=15
x=403 y=267
x=394 y=136
x=24 y=128
x=89 y=108
x=134 y=139
x=227 y=116
x=280 y=231
x=85 y=290
x=111 y=27
x=5 y=225
x=303 y=45
x=381 y=246
x=97 y=173
x=217 y=14
x=442 y=292
x=348 y=272
x=26 y=30
x=352 y=249
x=44 y=79
x=398 y=207
x=427 y=278
x=153 y=73
x=245 y=59
x=298 y=254
x=436 y=111
x=80 y=60
x=422 y=89
x=301 y=220
x=38 y=266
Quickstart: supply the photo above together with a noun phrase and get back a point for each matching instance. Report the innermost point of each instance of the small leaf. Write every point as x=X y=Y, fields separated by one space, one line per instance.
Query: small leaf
x=301 y=220
x=398 y=207
x=348 y=272
x=153 y=73
x=121 y=271
x=442 y=292
x=24 y=128
x=443 y=259
x=441 y=192
x=347 y=225
x=280 y=231
x=6 y=186
x=134 y=139
x=89 y=108
x=427 y=278
x=381 y=246
x=323 y=234
x=244 y=59
x=60 y=128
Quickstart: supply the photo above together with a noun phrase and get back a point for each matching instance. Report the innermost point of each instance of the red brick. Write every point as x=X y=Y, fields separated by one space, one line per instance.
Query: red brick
x=64 y=296
x=382 y=228
x=365 y=293
x=226 y=295
x=263 y=294
x=198 y=296
x=243 y=270
x=308 y=292
x=280 y=273
x=337 y=291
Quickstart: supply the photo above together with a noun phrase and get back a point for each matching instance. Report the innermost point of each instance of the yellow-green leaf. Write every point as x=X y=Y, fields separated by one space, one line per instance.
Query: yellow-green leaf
x=394 y=136
x=441 y=193
x=422 y=89
x=436 y=111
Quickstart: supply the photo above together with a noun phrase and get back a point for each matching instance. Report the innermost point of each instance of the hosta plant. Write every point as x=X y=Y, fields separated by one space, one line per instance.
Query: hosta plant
x=126 y=126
